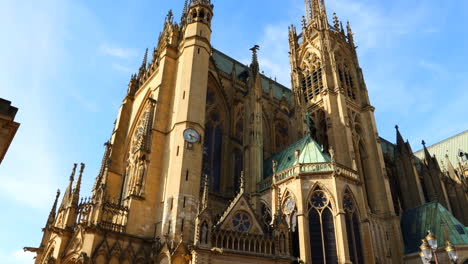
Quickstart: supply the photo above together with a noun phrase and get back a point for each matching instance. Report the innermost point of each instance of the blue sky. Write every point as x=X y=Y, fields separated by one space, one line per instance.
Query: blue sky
x=66 y=65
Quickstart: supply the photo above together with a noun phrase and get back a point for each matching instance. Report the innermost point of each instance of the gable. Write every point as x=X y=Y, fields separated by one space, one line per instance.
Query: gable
x=240 y=217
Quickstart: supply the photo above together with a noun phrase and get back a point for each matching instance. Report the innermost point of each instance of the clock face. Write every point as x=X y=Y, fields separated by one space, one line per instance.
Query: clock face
x=289 y=205
x=191 y=135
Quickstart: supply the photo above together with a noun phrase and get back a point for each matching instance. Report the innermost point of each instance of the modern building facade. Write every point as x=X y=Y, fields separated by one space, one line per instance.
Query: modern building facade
x=210 y=161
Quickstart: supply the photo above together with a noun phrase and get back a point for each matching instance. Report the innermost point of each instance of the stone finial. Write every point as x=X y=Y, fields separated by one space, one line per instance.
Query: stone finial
x=336 y=21
x=254 y=65
x=274 y=166
x=242 y=183
x=297 y=154
x=423 y=143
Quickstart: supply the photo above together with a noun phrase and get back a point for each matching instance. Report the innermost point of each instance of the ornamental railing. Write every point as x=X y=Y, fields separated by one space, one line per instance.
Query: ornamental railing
x=110 y=216
x=114 y=217
x=244 y=242
x=325 y=167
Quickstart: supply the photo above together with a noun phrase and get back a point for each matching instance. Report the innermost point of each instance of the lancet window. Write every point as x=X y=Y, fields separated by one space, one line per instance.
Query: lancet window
x=281 y=134
x=266 y=216
x=290 y=209
x=319 y=128
x=321 y=228
x=346 y=77
x=238 y=165
x=213 y=140
x=312 y=79
x=353 y=229
x=212 y=149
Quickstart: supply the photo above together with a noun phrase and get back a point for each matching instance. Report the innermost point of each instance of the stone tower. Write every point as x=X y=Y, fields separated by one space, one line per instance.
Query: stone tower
x=328 y=83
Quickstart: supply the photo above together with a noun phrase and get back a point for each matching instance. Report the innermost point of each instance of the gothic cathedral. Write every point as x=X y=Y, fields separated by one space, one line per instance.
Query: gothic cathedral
x=210 y=161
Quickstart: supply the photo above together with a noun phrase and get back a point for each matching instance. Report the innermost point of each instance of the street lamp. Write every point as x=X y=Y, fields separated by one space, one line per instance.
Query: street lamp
x=429 y=248
x=451 y=252
x=426 y=252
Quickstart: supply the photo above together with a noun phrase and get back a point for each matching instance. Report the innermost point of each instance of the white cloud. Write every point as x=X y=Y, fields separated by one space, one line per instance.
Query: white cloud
x=124 y=53
x=17 y=257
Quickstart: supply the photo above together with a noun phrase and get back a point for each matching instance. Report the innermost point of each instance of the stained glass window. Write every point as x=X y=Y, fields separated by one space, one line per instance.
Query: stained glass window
x=322 y=228
x=353 y=229
x=241 y=222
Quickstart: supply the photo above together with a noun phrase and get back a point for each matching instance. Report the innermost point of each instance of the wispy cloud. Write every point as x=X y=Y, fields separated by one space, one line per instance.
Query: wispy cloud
x=17 y=257
x=118 y=52
x=122 y=68
x=86 y=103
x=433 y=68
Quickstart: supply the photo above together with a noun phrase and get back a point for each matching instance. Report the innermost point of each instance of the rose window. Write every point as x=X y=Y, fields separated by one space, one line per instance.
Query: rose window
x=348 y=204
x=319 y=199
x=241 y=222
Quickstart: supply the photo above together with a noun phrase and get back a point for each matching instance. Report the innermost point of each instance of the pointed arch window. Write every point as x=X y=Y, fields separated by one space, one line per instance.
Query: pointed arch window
x=353 y=229
x=290 y=209
x=212 y=149
x=281 y=134
x=347 y=80
x=312 y=79
x=322 y=228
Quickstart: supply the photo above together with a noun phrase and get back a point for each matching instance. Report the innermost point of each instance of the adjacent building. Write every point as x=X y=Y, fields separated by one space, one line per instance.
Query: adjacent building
x=8 y=126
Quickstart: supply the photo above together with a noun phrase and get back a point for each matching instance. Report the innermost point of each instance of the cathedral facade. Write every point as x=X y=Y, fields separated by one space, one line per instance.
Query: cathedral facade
x=210 y=161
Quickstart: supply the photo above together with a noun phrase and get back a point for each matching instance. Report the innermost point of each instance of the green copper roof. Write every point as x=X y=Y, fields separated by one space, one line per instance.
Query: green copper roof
x=227 y=64
x=417 y=221
x=310 y=152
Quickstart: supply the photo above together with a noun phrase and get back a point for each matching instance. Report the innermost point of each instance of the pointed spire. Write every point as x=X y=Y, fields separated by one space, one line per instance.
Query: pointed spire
x=254 y=66
x=77 y=189
x=68 y=191
x=104 y=163
x=450 y=170
x=400 y=141
x=426 y=152
x=53 y=211
x=145 y=59
x=350 y=34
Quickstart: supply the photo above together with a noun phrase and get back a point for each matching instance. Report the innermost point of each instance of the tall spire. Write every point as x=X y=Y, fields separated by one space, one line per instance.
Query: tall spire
x=427 y=155
x=350 y=34
x=68 y=191
x=104 y=163
x=77 y=189
x=144 y=63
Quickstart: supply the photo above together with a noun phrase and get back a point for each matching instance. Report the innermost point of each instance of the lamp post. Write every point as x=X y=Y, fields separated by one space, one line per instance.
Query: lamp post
x=451 y=252
x=429 y=248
